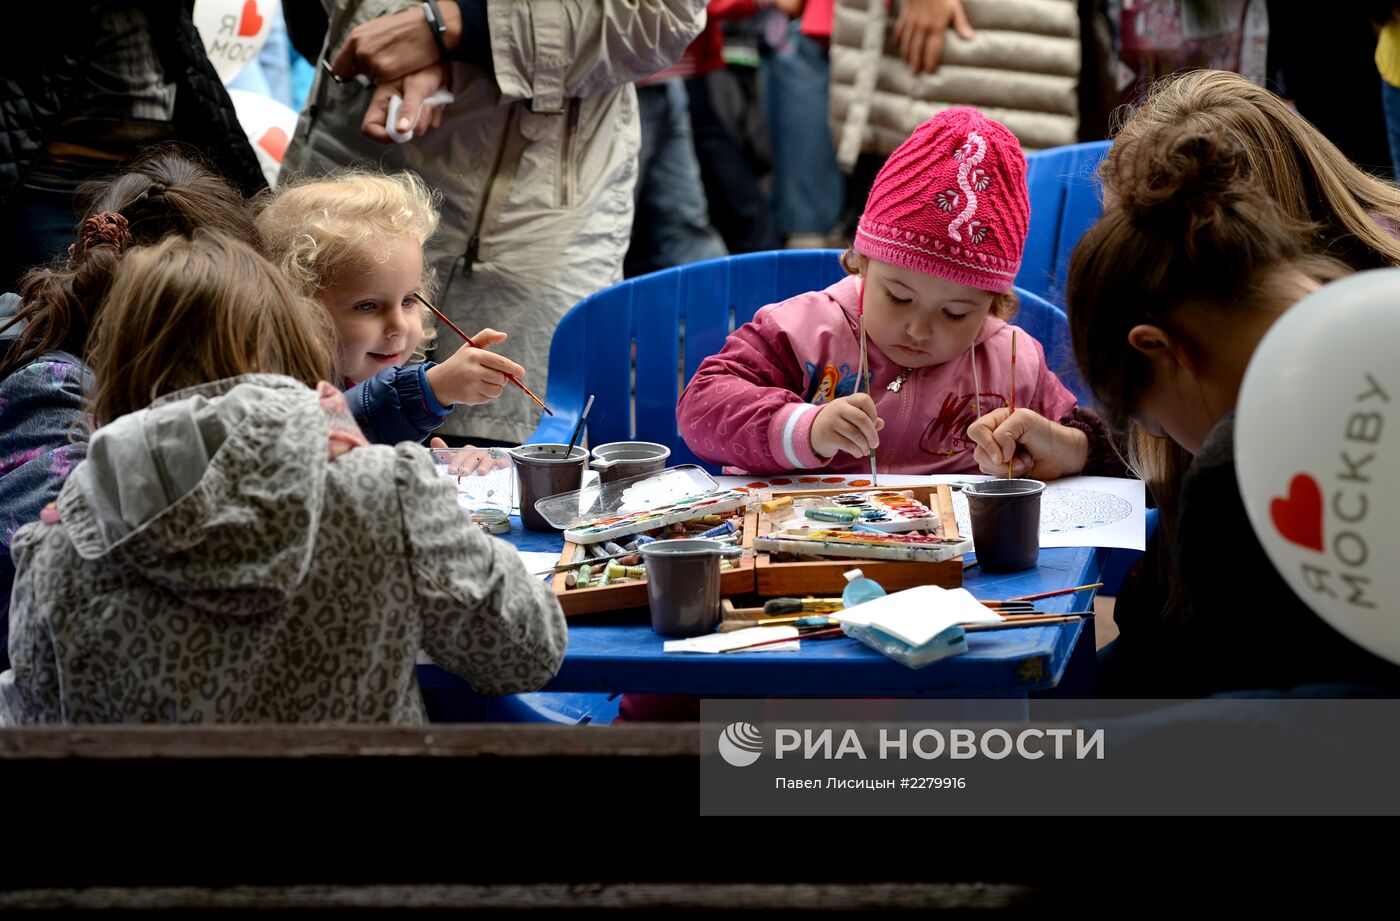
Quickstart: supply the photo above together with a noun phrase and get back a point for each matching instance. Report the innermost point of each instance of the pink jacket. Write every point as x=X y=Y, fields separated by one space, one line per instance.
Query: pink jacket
x=751 y=407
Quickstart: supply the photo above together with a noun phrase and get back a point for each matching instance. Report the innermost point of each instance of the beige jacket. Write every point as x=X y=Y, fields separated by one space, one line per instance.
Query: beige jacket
x=1021 y=68
x=536 y=166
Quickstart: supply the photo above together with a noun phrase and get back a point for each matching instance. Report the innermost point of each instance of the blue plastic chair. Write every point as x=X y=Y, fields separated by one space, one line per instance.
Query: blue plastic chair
x=676 y=318
x=455 y=705
x=1050 y=326
x=1065 y=201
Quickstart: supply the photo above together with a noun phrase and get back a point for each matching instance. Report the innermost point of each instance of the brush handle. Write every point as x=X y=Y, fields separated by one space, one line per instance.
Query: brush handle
x=820 y=634
x=468 y=340
x=1061 y=591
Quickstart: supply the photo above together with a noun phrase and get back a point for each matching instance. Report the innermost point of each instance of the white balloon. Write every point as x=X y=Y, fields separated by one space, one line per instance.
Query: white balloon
x=233 y=31
x=269 y=126
x=1317 y=452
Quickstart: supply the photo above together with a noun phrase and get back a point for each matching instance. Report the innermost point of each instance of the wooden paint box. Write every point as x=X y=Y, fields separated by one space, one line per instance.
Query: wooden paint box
x=825 y=577
x=633 y=594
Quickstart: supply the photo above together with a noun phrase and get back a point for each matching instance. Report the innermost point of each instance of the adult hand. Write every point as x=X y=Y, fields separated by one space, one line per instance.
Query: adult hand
x=848 y=424
x=388 y=47
x=792 y=8
x=1034 y=446
x=921 y=27
x=414 y=88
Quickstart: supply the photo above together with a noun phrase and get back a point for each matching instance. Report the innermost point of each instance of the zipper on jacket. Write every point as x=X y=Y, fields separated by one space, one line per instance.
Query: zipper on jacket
x=469 y=256
x=566 y=156
x=904 y=407
x=474 y=242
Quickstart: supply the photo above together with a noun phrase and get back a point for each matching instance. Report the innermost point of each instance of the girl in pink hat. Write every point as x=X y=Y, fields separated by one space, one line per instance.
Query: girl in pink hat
x=931 y=273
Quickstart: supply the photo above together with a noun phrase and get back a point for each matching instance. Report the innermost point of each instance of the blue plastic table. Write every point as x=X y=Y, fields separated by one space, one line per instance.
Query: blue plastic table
x=609 y=654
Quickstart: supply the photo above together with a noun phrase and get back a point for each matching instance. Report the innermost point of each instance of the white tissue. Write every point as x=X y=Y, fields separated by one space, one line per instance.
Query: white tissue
x=440 y=98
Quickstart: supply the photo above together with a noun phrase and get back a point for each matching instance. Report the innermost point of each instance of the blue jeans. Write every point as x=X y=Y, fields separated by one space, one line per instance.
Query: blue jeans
x=809 y=191
x=37 y=230
x=672 y=225
x=1390 y=98
x=738 y=206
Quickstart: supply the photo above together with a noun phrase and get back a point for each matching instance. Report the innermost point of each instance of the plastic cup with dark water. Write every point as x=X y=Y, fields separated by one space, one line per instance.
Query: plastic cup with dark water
x=618 y=460
x=683 y=585
x=1005 y=523
x=545 y=470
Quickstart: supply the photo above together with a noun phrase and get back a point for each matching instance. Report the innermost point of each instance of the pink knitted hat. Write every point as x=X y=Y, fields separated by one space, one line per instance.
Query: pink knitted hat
x=951 y=201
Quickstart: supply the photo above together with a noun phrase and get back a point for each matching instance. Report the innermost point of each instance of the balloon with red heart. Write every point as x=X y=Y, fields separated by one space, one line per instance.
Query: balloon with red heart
x=233 y=32
x=1298 y=517
x=269 y=126
x=1317 y=454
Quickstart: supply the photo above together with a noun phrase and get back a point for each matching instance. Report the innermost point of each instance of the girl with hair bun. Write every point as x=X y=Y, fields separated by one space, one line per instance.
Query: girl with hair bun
x=1169 y=295
x=44 y=328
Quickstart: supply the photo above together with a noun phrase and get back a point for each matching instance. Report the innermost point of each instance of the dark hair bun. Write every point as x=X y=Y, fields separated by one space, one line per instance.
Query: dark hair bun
x=1182 y=179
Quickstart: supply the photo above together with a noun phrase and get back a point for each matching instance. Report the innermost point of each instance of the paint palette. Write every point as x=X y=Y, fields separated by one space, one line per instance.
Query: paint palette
x=887 y=511
x=484 y=477
x=813 y=557
x=925 y=548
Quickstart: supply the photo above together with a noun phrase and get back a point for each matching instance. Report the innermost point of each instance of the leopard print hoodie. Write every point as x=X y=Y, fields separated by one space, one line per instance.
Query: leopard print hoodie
x=236 y=553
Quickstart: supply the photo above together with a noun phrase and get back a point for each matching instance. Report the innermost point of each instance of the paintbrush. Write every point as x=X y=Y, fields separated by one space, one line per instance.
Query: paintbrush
x=863 y=376
x=578 y=429
x=589 y=561
x=817 y=635
x=1061 y=591
x=1013 y=398
x=1028 y=622
x=468 y=339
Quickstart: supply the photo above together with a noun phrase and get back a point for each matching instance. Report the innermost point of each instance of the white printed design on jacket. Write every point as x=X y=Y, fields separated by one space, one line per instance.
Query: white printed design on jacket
x=971 y=180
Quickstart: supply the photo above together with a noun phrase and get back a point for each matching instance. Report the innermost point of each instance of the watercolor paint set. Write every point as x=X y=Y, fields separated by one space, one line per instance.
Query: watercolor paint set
x=612 y=576
x=885 y=511
x=800 y=555
x=909 y=547
x=609 y=511
x=612 y=527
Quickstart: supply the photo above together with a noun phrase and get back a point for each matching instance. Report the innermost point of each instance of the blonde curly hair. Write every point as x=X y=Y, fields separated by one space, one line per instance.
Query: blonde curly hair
x=314 y=228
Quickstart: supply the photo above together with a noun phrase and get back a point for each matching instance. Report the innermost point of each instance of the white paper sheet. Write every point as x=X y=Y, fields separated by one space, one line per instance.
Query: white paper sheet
x=719 y=642
x=538 y=561
x=1082 y=511
x=917 y=615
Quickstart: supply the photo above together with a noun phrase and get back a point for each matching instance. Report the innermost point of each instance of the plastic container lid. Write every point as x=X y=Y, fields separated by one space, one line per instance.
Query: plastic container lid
x=621 y=497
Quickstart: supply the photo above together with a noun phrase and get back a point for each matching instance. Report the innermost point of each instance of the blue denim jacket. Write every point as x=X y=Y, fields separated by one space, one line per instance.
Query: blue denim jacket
x=43 y=436
x=397 y=405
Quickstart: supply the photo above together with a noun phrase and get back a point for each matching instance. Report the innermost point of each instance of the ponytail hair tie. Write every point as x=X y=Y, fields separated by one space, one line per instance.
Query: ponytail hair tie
x=107 y=228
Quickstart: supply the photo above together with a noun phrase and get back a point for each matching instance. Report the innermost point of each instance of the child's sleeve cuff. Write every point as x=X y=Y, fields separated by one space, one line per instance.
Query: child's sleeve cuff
x=430 y=400
x=790 y=437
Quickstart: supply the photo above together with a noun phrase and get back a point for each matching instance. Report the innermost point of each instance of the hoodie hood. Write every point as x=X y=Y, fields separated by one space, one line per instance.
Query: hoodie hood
x=196 y=492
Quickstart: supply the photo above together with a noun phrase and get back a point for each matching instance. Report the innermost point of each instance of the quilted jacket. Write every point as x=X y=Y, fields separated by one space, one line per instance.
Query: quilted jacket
x=36 y=77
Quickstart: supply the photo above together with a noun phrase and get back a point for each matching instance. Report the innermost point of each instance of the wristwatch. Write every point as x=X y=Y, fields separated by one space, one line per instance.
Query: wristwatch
x=437 y=25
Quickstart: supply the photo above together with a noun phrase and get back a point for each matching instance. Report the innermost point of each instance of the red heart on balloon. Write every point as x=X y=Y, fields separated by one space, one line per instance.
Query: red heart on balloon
x=1299 y=517
x=274 y=141
x=251 y=23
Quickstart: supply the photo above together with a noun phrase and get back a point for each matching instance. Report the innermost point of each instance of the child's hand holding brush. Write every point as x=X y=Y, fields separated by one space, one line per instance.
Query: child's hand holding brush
x=472 y=376
x=1032 y=444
